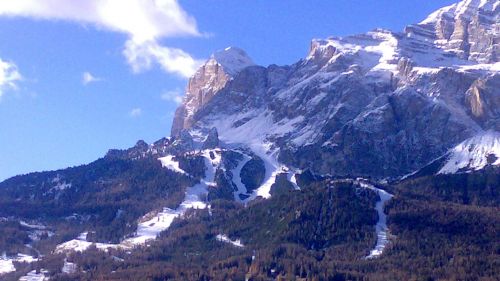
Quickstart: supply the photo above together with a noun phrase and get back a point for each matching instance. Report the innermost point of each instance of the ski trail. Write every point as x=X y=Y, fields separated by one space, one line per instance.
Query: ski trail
x=149 y=229
x=381 y=227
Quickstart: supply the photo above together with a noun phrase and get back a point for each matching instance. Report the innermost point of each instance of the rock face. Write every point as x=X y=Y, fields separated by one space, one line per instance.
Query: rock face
x=212 y=140
x=206 y=82
x=380 y=104
x=469 y=28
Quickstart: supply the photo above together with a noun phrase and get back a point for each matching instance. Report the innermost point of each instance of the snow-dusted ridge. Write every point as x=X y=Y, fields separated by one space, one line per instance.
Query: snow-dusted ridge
x=474 y=154
x=461 y=9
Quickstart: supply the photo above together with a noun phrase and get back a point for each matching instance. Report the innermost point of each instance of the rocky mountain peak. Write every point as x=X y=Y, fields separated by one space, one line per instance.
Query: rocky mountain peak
x=463 y=10
x=470 y=29
x=210 y=78
x=232 y=60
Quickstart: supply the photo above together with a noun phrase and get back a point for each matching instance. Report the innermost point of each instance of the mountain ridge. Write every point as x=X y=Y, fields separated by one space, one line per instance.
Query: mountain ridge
x=363 y=92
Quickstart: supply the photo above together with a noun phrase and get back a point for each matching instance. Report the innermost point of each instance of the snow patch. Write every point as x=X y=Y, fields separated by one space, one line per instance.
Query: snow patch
x=34 y=276
x=169 y=163
x=68 y=267
x=7 y=263
x=292 y=178
x=32 y=226
x=225 y=239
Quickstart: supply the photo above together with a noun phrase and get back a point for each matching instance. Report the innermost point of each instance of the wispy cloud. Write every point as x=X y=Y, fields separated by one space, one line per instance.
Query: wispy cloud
x=144 y=21
x=142 y=56
x=136 y=112
x=88 y=78
x=173 y=96
x=9 y=76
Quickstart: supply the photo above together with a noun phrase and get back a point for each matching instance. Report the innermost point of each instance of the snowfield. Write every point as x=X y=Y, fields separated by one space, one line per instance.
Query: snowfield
x=474 y=154
x=169 y=163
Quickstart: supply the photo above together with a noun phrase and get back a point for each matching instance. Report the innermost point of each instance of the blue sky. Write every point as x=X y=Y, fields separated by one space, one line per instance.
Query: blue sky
x=137 y=69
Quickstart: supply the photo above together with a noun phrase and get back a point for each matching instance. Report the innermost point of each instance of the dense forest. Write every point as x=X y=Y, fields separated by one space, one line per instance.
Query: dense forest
x=442 y=228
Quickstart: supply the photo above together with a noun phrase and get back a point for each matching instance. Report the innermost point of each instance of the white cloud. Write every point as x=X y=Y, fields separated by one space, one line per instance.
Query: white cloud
x=144 y=21
x=142 y=56
x=136 y=112
x=175 y=96
x=88 y=78
x=9 y=76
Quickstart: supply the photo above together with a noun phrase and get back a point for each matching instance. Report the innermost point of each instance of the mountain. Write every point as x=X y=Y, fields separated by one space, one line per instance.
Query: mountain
x=376 y=157
x=381 y=104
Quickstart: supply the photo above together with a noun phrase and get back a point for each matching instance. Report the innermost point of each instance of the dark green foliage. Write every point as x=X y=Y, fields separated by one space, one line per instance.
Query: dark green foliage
x=481 y=188
x=194 y=165
x=282 y=185
x=294 y=233
x=224 y=188
x=443 y=228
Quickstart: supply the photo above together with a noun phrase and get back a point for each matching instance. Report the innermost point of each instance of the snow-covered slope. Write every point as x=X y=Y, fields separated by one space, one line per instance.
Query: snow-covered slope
x=232 y=60
x=474 y=154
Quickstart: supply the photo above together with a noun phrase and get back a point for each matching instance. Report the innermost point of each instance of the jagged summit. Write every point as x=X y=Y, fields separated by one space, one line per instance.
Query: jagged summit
x=465 y=9
x=210 y=78
x=232 y=60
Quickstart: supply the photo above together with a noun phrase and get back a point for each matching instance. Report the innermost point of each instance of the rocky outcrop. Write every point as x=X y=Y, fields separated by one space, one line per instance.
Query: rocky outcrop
x=483 y=101
x=212 y=140
x=252 y=174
